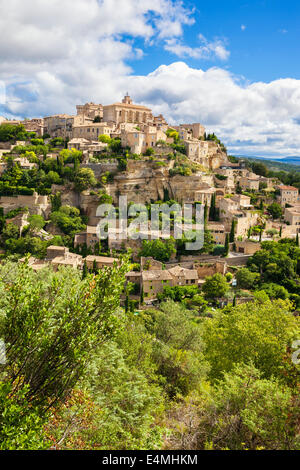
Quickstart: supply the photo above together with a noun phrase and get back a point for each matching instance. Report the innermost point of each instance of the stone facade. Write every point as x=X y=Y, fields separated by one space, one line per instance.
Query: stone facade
x=247 y=247
x=288 y=195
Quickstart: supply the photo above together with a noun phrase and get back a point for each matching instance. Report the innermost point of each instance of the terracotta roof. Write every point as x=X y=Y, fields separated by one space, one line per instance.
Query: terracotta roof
x=289 y=188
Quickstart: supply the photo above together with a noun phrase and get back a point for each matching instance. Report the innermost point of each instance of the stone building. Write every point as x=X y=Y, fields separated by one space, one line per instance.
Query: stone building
x=250 y=182
x=205 y=153
x=288 y=195
x=139 y=141
x=247 y=247
x=154 y=281
x=100 y=261
x=88 y=237
x=59 y=125
x=218 y=232
x=190 y=131
x=127 y=112
x=90 y=110
x=91 y=131
x=292 y=216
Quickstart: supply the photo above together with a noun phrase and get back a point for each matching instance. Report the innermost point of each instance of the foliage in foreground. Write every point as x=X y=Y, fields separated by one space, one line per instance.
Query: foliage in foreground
x=82 y=374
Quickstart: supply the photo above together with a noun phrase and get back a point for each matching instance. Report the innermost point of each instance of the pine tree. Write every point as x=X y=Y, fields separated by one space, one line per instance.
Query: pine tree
x=297 y=239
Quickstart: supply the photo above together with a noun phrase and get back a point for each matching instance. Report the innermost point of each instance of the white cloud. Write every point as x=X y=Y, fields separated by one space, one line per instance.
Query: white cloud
x=208 y=49
x=54 y=55
x=259 y=118
x=243 y=27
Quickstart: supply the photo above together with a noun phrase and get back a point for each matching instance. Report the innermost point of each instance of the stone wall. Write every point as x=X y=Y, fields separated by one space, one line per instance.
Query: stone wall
x=102 y=167
x=36 y=204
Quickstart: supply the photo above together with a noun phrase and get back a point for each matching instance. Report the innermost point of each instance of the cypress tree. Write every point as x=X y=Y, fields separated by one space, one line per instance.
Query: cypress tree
x=232 y=232
x=205 y=215
x=95 y=269
x=212 y=209
x=85 y=270
x=226 y=247
x=261 y=206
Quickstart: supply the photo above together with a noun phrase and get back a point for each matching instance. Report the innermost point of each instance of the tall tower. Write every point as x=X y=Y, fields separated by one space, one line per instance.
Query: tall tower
x=127 y=99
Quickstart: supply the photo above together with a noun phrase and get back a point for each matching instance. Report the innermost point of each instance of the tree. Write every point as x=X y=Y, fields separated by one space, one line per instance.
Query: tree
x=232 y=231
x=212 y=209
x=158 y=249
x=55 y=201
x=177 y=351
x=275 y=210
x=53 y=178
x=68 y=219
x=84 y=270
x=10 y=132
x=53 y=322
x=149 y=151
x=85 y=179
x=244 y=411
x=275 y=291
x=215 y=286
x=95 y=268
x=246 y=279
x=104 y=138
x=226 y=247
x=260 y=333
x=36 y=222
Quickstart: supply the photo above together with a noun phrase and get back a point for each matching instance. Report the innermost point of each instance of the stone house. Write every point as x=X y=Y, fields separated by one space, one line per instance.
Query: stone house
x=218 y=232
x=249 y=183
x=88 y=237
x=288 y=195
x=292 y=216
x=154 y=281
x=91 y=131
x=190 y=131
x=101 y=261
x=59 y=125
x=90 y=110
x=247 y=247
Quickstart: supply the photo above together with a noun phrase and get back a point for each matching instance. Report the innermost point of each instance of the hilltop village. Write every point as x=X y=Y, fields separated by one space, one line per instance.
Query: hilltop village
x=56 y=170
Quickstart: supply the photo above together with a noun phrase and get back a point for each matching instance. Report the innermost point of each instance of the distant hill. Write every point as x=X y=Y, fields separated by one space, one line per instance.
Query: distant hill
x=282 y=163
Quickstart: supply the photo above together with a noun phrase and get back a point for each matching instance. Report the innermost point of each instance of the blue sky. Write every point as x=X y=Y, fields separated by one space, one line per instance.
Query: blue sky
x=231 y=65
x=263 y=38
